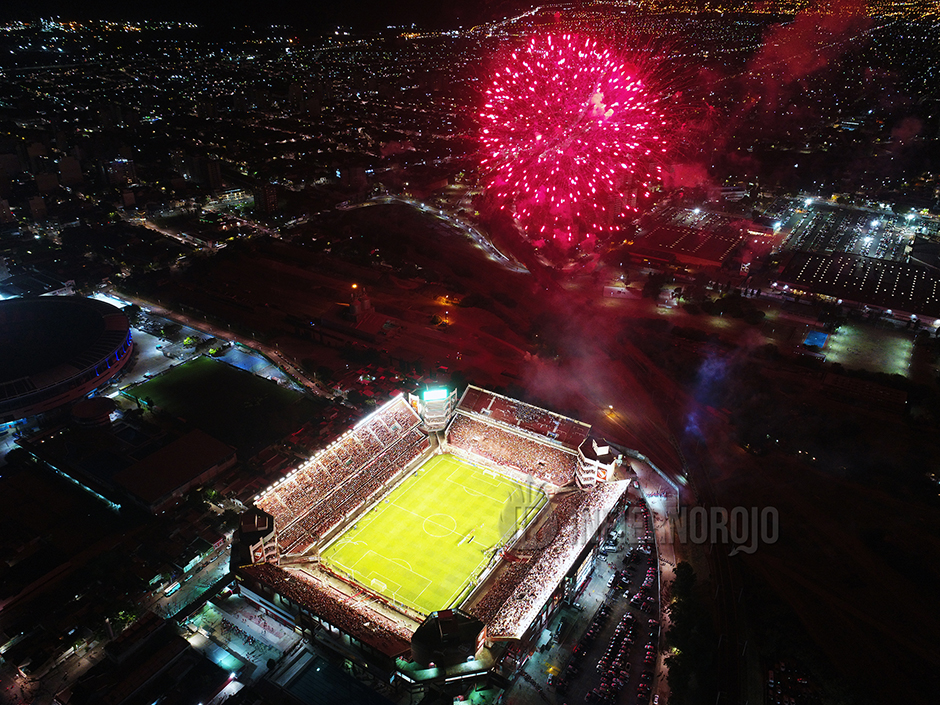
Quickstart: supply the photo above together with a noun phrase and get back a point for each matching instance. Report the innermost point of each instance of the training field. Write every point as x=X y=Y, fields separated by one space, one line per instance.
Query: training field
x=235 y=406
x=413 y=546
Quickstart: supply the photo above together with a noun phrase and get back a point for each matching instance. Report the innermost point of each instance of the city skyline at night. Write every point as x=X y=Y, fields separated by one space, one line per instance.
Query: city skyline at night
x=375 y=352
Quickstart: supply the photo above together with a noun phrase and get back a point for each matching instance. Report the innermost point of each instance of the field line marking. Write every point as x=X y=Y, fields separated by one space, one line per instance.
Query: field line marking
x=460 y=588
x=362 y=557
x=469 y=490
x=428 y=518
x=447 y=468
x=382 y=578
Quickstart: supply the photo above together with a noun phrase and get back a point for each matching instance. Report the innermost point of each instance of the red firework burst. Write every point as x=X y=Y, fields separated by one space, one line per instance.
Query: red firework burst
x=570 y=136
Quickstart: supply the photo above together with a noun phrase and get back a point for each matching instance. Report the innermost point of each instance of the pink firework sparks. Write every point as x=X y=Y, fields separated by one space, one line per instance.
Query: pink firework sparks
x=570 y=137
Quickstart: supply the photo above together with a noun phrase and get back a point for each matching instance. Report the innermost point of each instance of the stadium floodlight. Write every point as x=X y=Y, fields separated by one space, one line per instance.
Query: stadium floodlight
x=436 y=394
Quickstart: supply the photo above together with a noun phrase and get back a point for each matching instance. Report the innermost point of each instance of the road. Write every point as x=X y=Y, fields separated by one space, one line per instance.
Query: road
x=451 y=219
x=293 y=370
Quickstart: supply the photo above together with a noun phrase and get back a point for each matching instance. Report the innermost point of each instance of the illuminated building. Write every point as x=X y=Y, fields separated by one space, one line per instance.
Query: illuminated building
x=57 y=349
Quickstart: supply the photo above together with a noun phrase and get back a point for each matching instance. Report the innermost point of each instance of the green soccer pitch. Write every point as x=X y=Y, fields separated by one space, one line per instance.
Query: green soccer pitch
x=431 y=537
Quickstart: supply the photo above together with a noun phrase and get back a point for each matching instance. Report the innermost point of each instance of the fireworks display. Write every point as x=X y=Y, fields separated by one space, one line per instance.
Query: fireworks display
x=570 y=137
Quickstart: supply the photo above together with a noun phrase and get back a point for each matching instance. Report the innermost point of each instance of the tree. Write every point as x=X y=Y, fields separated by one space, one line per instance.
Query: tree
x=230 y=518
x=693 y=640
x=654 y=284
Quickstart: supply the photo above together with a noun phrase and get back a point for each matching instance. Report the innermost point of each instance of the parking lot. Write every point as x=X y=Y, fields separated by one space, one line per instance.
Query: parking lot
x=604 y=648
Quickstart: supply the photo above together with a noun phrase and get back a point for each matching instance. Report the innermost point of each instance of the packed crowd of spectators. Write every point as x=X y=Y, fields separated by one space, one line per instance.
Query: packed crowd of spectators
x=517 y=413
x=354 y=618
x=399 y=416
x=503 y=447
x=382 y=433
x=522 y=587
x=555 y=428
x=356 y=491
x=502 y=589
x=348 y=473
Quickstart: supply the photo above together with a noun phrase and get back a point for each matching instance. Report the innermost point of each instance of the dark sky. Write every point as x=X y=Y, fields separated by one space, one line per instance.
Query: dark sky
x=364 y=14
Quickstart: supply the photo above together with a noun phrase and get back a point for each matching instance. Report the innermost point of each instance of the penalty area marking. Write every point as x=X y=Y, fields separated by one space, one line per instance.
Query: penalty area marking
x=376 y=569
x=470 y=490
x=343 y=541
x=488 y=477
x=377 y=581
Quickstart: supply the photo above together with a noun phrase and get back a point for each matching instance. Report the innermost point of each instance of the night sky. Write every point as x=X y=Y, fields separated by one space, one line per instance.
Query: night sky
x=364 y=14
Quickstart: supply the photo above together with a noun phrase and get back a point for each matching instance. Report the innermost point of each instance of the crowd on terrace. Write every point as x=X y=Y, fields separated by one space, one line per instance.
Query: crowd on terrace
x=353 y=617
x=553 y=427
x=347 y=474
x=501 y=446
x=523 y=586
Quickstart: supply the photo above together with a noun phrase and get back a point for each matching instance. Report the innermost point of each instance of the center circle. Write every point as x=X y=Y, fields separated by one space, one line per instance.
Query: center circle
x=435 y=525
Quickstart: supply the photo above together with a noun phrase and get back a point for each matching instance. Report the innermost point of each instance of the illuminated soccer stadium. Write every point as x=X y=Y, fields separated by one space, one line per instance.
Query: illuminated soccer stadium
x=482 y=514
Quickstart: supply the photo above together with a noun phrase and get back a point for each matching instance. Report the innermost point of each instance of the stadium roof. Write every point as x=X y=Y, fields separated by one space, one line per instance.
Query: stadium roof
x=55 y=349
x=52 y=338
x=688 y=245
x=597 y=449
x=174 y=466
x=891 y=285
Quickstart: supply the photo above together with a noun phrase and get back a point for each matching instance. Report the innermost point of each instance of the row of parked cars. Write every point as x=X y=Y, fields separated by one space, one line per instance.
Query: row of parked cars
x=610 y=543
x=578 y=652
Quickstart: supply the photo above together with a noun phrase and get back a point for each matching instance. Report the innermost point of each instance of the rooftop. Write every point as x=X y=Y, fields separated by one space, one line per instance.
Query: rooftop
x=175 y=465
x=893 y=285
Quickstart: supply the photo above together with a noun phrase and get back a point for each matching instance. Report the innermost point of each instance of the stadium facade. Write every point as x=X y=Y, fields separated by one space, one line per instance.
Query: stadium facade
x=538 y=564
x=56 y=349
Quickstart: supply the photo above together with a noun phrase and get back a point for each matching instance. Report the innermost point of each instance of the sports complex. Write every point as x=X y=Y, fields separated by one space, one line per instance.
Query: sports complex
x=478 y=515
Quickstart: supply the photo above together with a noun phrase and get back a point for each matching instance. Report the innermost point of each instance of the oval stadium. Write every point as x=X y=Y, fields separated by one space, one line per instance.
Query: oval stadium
x=55 y=349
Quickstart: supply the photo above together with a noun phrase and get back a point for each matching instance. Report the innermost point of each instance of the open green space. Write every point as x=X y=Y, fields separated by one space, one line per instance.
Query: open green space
x=426 y=542
x=241 y=409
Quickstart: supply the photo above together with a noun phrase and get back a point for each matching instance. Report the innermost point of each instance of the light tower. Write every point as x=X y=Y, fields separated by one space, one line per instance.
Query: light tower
x=435 y=406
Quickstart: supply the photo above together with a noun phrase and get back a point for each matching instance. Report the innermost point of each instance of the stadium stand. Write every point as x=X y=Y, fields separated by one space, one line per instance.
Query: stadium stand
x=552 y=427
x=367 y=625
x=501 y=446
x=321 y=494
x=516 y=579
x=510 y=602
